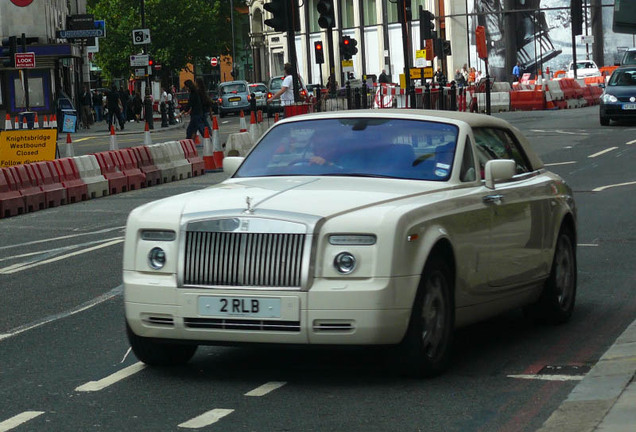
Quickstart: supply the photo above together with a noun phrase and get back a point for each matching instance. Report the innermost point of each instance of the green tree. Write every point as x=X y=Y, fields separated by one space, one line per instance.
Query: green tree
x=182 y=32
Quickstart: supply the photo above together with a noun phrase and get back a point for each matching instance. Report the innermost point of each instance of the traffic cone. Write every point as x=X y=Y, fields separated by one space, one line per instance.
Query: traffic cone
x=16 y=123
x=25 y=125
x=147 y=138
x=36 y=122
x=45 y=125
x=276 y=118
x=217 y=150
x=253 y=128
x=243 y=124
x=549 y=103
x=208 y=152
x=53 y=122
x=7 y=123
x=113 y=139
x=70 y=152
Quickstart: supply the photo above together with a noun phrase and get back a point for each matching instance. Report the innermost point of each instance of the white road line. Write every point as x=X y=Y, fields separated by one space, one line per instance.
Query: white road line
x=266 y=388
x=571 y=133
x=16 y=421
x=602 y=152
x=19 y=245
x=92 y=386
x=20 y=267
x=602 y=188
x=549 y=377
x=560 y=163
x=631 y=142
x=587 y=245
x=206 y=419
x=89 y=304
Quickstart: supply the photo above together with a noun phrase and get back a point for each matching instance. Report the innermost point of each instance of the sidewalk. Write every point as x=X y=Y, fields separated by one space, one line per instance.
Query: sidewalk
x=101 y=129
x=605 y=400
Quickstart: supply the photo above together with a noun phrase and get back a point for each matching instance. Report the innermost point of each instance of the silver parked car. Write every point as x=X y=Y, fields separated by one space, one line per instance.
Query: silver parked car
x=368 y=227
x=233 y=97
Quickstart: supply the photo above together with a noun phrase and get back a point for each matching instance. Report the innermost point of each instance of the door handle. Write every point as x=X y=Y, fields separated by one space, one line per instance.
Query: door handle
x=493 y=199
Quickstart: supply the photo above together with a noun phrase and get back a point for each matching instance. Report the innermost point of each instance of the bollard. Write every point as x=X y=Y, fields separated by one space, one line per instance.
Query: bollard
x=427 y=95
x=453 y=97
x=365 y=96
x=356 y=98
x=441 y=98
x=348 y=95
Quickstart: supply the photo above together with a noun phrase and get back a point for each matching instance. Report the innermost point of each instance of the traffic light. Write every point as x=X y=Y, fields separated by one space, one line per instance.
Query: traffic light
x=279 y=19
x=348 y=47
x=438 y=47
x=446 y=47
x=576 y=11
x=319 y=53
x=327 y=18
x=9 y=48
x=427 y=24
x=151 y=62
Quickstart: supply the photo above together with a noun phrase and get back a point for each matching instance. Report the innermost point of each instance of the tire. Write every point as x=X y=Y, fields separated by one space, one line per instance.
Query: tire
x=155 y=353
x=605 y=121
x=426 y=348
x=221 y=113
x=556 y=303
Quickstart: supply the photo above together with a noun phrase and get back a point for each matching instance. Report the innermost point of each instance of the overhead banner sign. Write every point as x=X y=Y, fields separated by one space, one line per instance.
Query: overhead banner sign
x=18 y=147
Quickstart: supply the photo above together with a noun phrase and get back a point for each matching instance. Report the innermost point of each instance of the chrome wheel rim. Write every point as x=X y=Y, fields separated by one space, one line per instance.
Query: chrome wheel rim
x=434 y=315
x=564 y=272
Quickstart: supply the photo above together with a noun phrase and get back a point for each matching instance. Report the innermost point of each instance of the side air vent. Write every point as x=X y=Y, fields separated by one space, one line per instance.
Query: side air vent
x=159 y=320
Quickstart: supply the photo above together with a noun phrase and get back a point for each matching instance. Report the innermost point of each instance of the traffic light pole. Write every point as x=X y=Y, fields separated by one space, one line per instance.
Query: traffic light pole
x=406 y=46
x=332 y=62
x=26 y=75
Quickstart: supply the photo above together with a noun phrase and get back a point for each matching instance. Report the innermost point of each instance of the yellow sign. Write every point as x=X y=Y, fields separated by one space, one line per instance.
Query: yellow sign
x=19 y=147
x=347 y=63
x=420 y=54
x=416 y=73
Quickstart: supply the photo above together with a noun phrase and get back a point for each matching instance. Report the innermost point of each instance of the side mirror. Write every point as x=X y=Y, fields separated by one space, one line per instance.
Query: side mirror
x=231 y=164
x=498 y=170
x=601 y=85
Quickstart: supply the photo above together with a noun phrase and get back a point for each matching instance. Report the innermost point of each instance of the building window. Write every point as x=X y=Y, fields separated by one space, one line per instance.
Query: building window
x=370 y=13
x=348 y=19
x=313 y=16
x=392 y=11
x=36 y=93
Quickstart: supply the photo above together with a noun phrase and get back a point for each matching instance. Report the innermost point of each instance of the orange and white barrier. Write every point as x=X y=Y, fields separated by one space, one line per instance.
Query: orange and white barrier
x=242 y=123
x=113 y=139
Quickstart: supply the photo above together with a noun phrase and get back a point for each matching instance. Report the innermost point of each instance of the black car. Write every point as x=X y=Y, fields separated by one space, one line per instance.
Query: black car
x=619 y=99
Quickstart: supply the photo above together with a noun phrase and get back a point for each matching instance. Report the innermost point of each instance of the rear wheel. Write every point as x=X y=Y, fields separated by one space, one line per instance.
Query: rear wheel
x=605 y=121
x=425 y=350
x=155 y=353
x=556 y=303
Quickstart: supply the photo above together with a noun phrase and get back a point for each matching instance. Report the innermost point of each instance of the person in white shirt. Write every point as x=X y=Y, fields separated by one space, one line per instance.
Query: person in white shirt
x=286 y=92
x=163 y=106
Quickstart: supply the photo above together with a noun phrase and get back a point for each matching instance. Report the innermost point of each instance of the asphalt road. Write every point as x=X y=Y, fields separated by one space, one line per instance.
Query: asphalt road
x=65 y=364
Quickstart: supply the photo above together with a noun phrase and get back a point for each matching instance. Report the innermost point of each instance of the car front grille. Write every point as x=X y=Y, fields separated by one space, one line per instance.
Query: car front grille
x=243 y=259
x=243 y=325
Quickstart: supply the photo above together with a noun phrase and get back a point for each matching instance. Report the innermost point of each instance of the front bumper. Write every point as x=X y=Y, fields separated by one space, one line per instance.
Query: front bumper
x=616 y=111
x=367 y=312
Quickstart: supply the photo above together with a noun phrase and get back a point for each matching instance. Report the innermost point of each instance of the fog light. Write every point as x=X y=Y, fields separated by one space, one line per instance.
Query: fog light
x=156 y=258
x=344 y=262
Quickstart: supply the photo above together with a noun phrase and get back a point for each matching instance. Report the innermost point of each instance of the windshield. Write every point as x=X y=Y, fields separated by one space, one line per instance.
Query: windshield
x=258 y=88
x=629 y=58
x=233 y=88
x=406 y=149
x=623 y=78
x=276 y=84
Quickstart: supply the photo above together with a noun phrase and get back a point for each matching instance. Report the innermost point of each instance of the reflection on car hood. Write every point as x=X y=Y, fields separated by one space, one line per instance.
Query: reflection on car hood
x=319 y=196
x=621 y=91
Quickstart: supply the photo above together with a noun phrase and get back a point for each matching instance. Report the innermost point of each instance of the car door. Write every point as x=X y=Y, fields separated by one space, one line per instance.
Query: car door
x=519 y=211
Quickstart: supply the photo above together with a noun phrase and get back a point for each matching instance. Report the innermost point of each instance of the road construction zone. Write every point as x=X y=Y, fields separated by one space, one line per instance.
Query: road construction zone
x=19 y=147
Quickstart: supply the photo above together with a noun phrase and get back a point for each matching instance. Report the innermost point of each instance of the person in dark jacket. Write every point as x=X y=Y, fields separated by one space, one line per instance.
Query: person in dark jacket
x=86 y=103
x=113 y=103
x=98 y=106
x=138 y=106
x=148 y=114
x=195 y=108
x=206 y=102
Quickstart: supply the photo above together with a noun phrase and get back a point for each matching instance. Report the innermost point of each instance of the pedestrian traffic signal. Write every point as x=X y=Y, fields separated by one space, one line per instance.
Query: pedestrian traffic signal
x=9 y=48
x=446 y=47
x=327 y=18
x=319 y=53
x=427 y=24
x=279 y=19
x=348 y=47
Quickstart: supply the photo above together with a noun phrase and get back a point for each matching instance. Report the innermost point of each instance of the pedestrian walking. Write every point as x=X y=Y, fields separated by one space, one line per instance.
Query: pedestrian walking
x=113 y=103
x=383 y=78
x=286 y=92
x=195 y=109
x=163 y=107
x=148 y=112
x=86 y=104
x=206 y=103
x=138 y=106
x=171 y=119
x=516 y=72
x=98 y=106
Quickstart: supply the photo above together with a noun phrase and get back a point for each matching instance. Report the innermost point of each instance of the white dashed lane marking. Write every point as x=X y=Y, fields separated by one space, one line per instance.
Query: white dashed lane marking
x=206 y=419
x=92 y=386
x=266 y=388
x=18 y=420
x=602 y=152
x=549 y=377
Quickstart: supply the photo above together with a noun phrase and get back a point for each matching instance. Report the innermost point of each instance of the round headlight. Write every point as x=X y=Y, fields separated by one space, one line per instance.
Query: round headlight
x=344 y=262
x=608 y=98
x=156 y=258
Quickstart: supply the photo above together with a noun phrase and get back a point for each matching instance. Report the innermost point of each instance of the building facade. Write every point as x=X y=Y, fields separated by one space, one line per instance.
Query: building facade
x=60 y=67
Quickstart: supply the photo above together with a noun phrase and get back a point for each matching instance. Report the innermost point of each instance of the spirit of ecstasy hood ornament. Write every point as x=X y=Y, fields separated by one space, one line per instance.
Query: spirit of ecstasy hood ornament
x=248 y=201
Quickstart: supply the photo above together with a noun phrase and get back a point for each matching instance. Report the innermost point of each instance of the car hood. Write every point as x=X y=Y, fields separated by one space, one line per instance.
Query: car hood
x=316 y=196
x=621 y=91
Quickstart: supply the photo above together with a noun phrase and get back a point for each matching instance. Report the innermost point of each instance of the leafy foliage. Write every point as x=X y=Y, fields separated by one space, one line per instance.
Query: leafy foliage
x=182 y=32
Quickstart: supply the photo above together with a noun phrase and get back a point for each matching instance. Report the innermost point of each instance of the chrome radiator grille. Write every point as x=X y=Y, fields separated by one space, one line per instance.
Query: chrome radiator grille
x=243 y=259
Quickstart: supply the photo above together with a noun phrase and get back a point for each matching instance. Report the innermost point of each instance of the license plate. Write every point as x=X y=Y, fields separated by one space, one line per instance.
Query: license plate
x=253 y=307
x=234 y=103
x=629 y=106
x=234 y=99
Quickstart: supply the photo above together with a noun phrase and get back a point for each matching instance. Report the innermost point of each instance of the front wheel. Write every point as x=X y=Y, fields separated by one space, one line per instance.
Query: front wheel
x=155 y=353
x=605 y=121
x=426 y=348
x=556 y=303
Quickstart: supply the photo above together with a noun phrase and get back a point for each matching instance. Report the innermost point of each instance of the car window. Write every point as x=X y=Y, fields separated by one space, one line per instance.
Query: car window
x=623 y=78
x=258 y=88
x=405 y=149
x=629 y=57
x=233 y=88
x=276 y=84
x=492 y=143
x=467 y=173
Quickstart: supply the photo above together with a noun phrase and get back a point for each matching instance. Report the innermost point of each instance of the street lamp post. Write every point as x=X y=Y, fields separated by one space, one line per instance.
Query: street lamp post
x=233 y=43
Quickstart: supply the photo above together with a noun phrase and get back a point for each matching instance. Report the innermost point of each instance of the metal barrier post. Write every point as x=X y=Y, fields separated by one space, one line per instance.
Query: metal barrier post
x=365 y=96
x=356 y=98
x=442 y=95
x=453 y=97
x=427 y=95
x=348 y=95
